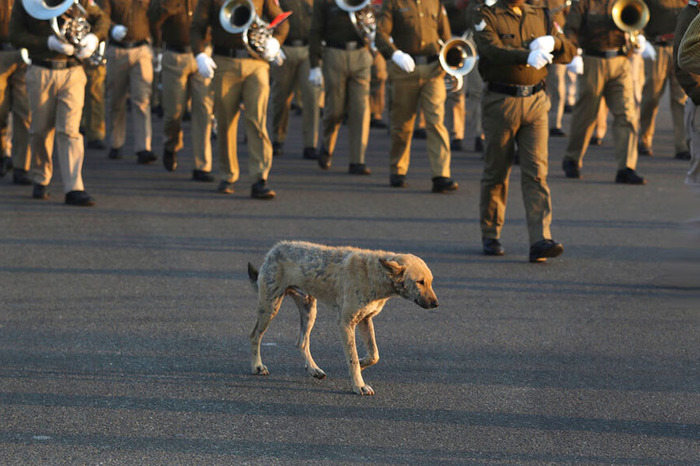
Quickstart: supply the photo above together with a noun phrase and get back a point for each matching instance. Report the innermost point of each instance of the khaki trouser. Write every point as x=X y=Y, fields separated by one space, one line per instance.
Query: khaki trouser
x=13 y=96
x=180 y=81
x=455 y=106
x=294 y=73
x=130 y=70
x=424 y=87
x=377 y=87
x=609 y=77
x=692 y=128
x=659 y=72
x=556 y=89
x=94 y=111
x=347 y=74
x=56 y=100
x=475 y=92
x=509 y=120
x=242 y=81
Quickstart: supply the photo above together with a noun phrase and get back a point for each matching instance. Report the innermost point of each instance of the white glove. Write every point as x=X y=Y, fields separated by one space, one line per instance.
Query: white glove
x=280 y=58
x=404 y=61
x=576 y=65
x=159 y=63
x=641 y=44
x=119 y=32
x=57 y=45
x=649 y=52
x=544 y=43
x=272 y=48
x=88 y=45
x=538 y=59
x=315 y=76
x=205 y=65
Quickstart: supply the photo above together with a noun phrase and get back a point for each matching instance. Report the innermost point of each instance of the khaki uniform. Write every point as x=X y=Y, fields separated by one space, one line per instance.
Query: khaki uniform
x=416 y=29
x=515 y=109
x=294 y=73
x=556 y=79
x=56 y=88
x=346 y=65
x=94 y=112
x=239 y=79
x=589 y=25
x=659 y=31
x=377 y=87
x=130 y=69
x=13 y=97
x=170 y=21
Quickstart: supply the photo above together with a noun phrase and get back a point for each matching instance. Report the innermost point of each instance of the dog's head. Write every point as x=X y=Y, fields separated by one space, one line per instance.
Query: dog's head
x=411 y=279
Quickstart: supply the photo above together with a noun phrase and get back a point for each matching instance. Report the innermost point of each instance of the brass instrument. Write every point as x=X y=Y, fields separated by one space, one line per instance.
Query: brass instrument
x=239 y=17
x=69 y=22
x=362 y=18
x=630 y=16
x=458 y=58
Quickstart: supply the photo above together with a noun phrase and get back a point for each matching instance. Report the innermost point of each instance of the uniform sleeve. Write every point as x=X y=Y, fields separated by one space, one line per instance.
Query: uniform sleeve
x=490 y=45
x=385 y=24
x=574 y=20
x=20 y=36
x=156 y=17
x=99 y=21
x=316 y=34
x=564 y=49
x=444 y=31
x=689 y=50
x=272 y=11
x=199 y=25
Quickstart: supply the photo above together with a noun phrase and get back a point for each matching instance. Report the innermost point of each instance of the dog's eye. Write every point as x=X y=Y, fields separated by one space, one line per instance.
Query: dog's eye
x=421 y=282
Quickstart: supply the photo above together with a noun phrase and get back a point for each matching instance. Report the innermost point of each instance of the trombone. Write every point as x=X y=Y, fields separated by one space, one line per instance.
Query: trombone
x=239 y=17
x=362 y=18
x=630 y=16
x=458 y=58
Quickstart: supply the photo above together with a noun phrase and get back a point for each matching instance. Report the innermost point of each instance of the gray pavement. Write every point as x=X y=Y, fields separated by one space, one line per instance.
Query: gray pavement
x=124 y=327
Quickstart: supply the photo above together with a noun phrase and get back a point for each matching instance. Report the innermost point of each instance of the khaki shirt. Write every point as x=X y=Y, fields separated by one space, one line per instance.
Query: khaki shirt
x=300 y=21
x=662 y=18
x=130 y=13
x=206 y=15
x=33 y=34
x=590 y=26
x=330 y=24
x=558 y=11
x=689 y=82
x=416 y=27
x=503 y=39
x=170 y=21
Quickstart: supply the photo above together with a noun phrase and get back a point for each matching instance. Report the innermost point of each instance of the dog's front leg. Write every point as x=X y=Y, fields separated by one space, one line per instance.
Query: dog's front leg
x=367 y=331
x=347 y=336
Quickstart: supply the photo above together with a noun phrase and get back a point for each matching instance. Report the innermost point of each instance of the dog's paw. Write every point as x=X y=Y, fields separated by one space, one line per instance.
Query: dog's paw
x=365 y=390
x=316 y=373
x=260 y=370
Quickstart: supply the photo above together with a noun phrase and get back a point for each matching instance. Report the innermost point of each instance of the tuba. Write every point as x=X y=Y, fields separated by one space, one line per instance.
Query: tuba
x=239 y=17
x=362 y=18
x=69 y=22
x=457 y=57
x=630 y=16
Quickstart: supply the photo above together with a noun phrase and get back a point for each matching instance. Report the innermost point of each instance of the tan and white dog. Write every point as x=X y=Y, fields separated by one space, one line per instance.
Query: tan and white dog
x=356 y=282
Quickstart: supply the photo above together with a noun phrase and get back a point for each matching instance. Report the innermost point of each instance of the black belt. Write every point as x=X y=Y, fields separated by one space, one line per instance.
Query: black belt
x=128 y=45
x=296 y=42
x=605 y=53
x=424 y=59
x=232 y=53
x=56 y=64
x=516 y=90
x=178 y=48
x=7 y=47
x=350 y=45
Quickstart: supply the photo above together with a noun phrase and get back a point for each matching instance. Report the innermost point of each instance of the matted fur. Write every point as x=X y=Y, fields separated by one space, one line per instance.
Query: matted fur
x=355 y=282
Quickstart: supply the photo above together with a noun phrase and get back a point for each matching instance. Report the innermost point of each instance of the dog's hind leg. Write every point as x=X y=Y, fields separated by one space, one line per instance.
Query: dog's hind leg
x=267 y=309
x=307 y=313
x=366 y=327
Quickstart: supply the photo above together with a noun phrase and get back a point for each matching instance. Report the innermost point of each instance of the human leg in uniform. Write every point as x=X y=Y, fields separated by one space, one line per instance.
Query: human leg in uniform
x=228 y=87
x=201 y=124
x=431 y=99
x=175 y=69
x=140 y=84
x=94 y=112
x=405 y=89
x=283 y=79
x=556 y=88
x=377 y=94
x=358 y=110
x=335 y=76
x=692 y=127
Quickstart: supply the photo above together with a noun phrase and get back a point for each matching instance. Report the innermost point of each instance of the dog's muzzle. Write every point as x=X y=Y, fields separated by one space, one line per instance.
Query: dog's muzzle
x=431 y=304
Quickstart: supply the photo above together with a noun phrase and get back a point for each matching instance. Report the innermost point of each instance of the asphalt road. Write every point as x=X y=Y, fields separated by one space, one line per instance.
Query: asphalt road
x=124 y=327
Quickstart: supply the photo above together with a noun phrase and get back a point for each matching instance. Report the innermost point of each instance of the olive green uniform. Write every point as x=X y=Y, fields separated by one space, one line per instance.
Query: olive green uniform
x=56 y=88
x=346 y=65
x=94 y=112
x=416 y=28
x=515 y=109
x=13 y=96
x=294 y=73
x=659 y=31
x=606 y=72
x=239 y=79
x=170 y=22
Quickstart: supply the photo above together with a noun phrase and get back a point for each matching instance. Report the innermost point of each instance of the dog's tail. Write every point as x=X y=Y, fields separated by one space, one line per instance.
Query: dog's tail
x=253 y=275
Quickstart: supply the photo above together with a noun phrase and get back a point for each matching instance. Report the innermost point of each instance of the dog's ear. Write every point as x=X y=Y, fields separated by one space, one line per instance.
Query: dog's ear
x=394 y=268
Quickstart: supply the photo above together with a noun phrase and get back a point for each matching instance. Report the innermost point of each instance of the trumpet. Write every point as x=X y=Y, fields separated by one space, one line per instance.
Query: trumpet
x=362 y=18
x=239 y=17
x=69 y=22
x=630 y=16
x=458 y=58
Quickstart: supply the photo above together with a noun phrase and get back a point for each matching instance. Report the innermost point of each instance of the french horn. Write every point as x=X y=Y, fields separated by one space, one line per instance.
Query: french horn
x=362 y=18
x=630 y=16
x=458 y=58
x=69 y=22
x=239 y=17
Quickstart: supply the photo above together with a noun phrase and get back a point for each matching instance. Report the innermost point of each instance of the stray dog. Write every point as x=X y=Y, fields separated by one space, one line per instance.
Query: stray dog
x=356 y=282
